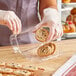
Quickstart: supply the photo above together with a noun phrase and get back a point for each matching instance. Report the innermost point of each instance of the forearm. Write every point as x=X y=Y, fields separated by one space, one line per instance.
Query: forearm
x=46 y=4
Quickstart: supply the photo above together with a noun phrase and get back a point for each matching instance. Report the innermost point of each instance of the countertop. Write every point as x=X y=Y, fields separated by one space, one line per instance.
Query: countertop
x=67 y=49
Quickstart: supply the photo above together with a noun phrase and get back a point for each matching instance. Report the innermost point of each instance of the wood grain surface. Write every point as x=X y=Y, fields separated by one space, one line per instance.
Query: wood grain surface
x=66 y=47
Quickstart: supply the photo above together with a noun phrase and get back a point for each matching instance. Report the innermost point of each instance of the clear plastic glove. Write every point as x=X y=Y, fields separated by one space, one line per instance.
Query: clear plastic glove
x=52 y=20
x=9 y=19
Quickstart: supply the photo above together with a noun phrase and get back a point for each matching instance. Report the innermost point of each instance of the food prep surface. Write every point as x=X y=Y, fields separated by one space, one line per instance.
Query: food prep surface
x=68 y=48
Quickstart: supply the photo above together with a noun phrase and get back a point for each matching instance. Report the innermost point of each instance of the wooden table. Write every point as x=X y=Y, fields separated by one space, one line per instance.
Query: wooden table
x=66 y=47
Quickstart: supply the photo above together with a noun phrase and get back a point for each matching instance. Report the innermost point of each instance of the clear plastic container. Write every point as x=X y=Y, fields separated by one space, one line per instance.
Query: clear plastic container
x=31 y=50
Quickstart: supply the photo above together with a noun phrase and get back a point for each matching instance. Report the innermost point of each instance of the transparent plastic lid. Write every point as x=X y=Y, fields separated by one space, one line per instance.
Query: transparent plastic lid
x=37 y=50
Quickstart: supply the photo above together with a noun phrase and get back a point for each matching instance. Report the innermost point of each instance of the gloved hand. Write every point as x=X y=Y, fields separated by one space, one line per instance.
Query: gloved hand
x=9 y=19
x=52 y=20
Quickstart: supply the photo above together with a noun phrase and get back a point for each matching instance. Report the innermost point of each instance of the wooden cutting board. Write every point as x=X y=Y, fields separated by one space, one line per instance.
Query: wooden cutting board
x=66 y=47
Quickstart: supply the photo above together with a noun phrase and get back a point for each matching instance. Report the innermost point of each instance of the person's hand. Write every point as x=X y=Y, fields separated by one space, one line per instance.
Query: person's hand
x=52 y=20
x=9 y=19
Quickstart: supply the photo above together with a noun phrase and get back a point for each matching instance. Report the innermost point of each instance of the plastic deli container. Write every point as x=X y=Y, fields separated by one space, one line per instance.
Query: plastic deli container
x=35 y=50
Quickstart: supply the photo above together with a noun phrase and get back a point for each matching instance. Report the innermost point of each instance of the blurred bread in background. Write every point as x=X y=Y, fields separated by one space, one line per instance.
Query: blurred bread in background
x=73 y=0
x=73 y=11
x=68 y=1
